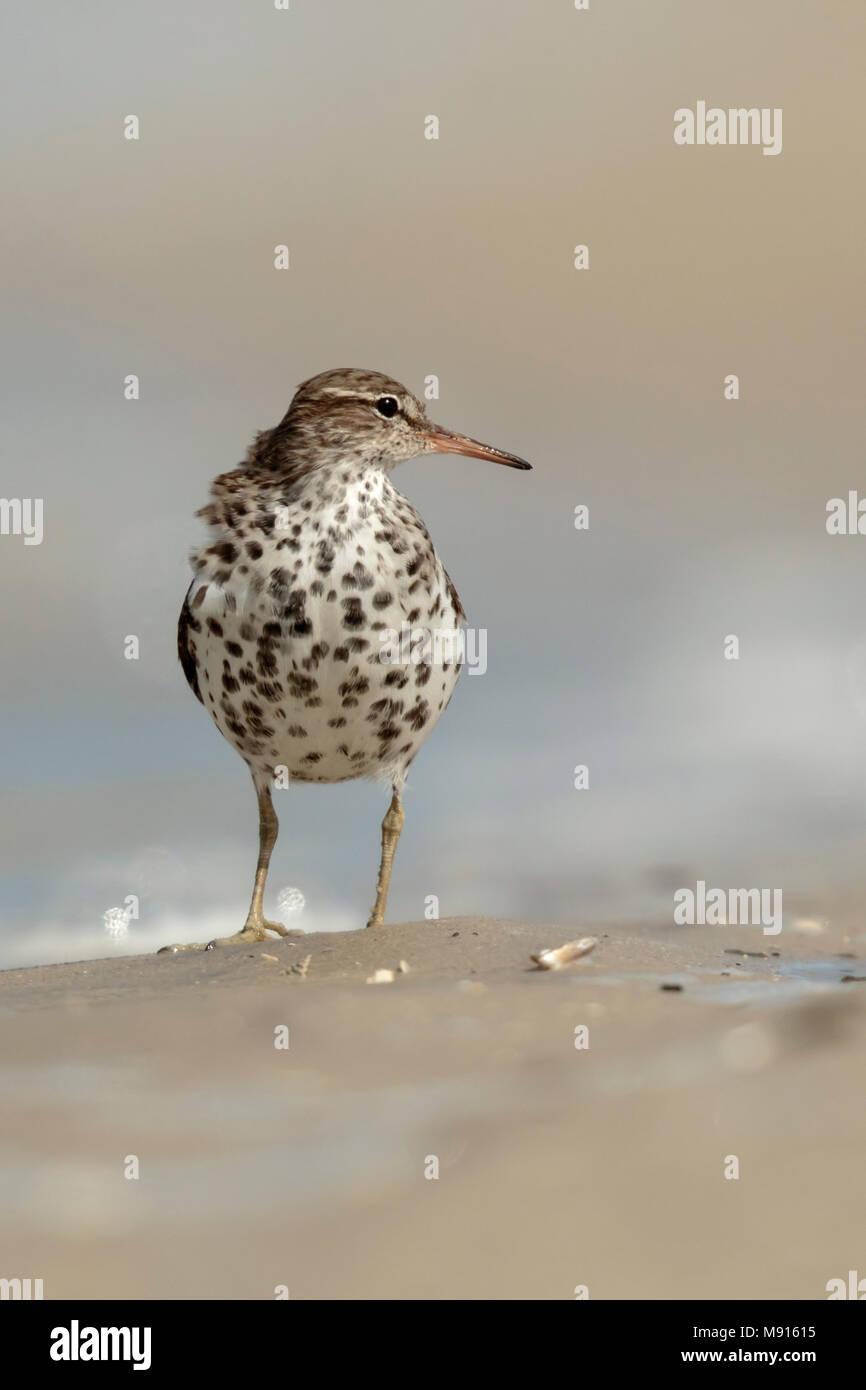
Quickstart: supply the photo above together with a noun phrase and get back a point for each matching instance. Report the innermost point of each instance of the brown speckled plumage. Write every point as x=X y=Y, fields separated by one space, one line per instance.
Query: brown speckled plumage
x=313 y=558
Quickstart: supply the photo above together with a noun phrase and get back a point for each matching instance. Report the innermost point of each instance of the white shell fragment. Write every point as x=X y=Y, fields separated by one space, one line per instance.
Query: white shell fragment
x=381 y=977
x=560 y=956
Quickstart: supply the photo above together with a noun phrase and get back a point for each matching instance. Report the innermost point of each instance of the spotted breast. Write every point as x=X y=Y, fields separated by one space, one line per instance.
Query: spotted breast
x=321 y=631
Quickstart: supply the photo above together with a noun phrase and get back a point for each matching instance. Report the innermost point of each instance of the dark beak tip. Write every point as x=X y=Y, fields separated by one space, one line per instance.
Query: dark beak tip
x=447 y=442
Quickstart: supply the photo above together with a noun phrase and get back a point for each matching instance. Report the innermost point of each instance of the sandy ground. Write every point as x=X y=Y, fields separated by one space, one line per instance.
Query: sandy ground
x=558 y=1166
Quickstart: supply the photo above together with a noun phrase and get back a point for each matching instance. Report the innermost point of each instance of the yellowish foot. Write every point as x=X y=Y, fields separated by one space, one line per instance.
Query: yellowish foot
x=252 y=932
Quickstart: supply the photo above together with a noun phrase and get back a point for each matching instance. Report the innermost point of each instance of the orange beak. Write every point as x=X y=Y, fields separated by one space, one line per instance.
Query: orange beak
x=447 y=442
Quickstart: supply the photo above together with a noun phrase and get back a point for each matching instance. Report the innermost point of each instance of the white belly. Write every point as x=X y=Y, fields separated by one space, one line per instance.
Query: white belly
x=328 y=677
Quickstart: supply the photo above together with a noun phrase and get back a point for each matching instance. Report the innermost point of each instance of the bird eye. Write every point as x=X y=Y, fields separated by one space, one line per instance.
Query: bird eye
x=387 y=406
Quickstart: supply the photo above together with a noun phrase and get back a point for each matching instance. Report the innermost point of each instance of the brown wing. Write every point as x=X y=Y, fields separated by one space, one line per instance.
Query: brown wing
x=186 y=624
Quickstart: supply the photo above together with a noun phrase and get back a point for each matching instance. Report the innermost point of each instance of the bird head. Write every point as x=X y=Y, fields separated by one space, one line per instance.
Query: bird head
x=349 y=413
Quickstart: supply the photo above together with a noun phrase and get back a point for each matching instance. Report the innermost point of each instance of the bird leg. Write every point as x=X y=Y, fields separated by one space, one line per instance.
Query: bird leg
x=256 y=926
x=391 y=827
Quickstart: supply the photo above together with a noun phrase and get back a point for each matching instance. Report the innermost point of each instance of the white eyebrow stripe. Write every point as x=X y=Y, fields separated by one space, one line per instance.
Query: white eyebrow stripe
x=364 y=395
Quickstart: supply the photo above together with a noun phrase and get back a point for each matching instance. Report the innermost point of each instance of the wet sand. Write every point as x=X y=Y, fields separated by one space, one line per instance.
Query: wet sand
x=558 y=1167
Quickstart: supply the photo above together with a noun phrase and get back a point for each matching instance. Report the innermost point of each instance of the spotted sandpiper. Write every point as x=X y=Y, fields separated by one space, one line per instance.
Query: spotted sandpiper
x=314 y=561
